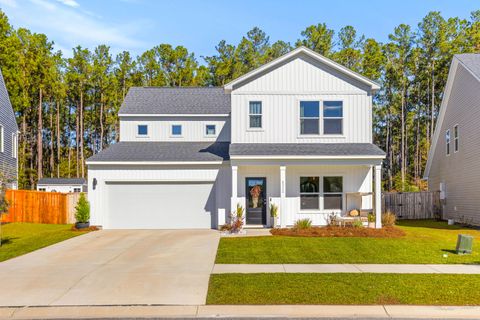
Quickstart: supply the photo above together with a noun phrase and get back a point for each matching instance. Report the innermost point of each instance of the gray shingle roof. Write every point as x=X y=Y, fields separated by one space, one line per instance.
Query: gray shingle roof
x=184 y=100
x=163 y=151
x=471 y=61
x=62 y=181
x=305 y=149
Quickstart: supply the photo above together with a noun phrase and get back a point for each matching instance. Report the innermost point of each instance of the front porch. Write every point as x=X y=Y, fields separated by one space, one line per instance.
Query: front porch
x=313 y=189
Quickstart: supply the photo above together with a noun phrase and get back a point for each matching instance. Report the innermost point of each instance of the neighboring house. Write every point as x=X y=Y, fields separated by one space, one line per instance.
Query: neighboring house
x=453 y=162
x=65 y=185
x=296 y=132
x=8 y=139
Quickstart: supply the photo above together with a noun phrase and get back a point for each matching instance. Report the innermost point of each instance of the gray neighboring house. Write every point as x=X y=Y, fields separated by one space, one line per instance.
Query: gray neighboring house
x=64 y=185
x=8 y=138
x=453 y=165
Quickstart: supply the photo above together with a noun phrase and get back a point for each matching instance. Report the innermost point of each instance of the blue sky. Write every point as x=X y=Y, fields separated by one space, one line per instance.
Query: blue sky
x=137 y=25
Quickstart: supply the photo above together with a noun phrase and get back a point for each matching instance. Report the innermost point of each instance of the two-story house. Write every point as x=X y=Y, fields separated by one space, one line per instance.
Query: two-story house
x=8 y=139
x=453 y=162
x=296 y=132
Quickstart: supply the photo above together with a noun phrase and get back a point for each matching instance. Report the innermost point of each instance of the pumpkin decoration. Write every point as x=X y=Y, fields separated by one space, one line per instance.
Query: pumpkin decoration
x=354 y=213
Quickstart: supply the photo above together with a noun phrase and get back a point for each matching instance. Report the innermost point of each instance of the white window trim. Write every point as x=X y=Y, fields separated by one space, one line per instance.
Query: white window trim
x=299 y=119
x=2 y=139
x=143 y=135
x=176 y=135
x=342 y=118
x=206 y=135
x=448 y=139
x=456 y=138
x=320 y=134
x=321 y=192
x=14 y=145
x=255 y=114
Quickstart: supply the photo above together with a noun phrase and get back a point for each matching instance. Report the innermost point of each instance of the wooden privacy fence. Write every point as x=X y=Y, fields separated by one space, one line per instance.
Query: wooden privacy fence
x=41 y=207
x=413 y=205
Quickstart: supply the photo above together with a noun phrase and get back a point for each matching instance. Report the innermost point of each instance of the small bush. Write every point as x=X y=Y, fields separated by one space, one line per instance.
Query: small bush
x=82 y=213
x=273 y=210
x=389 y=219
x=357 y=224
x=371 y=217
x=303 y=224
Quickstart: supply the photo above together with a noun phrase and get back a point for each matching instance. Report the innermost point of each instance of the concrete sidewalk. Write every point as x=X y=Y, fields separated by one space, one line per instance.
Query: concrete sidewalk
x=272 y=311
x=347 y=268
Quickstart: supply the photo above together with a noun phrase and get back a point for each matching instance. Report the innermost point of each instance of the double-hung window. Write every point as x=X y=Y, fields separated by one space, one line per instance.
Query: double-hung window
x=309 y=117
x=447 y=142
x=332 y=117
x=255 y=115
x=332 y=193
x=210 y=130
x=142 y=130
x=309 y=193
x=455 y=138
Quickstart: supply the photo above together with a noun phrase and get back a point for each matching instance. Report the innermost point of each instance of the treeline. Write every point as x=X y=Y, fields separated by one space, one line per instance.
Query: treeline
x=67 y=107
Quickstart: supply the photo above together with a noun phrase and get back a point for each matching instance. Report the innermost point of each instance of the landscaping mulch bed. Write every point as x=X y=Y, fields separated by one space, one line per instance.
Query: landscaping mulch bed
x=91 y=228
x=332 y=231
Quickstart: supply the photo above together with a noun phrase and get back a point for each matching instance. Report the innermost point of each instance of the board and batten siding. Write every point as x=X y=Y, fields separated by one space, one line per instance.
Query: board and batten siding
x=281 y=91
x=220 y=175
x=460 y=171
x=159 y=128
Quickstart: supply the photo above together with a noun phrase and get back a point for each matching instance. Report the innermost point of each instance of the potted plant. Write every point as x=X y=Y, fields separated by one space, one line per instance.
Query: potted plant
x=4 y=205
x=371 y=220
x=274 y=213
x=255 y=193
x=82 y=214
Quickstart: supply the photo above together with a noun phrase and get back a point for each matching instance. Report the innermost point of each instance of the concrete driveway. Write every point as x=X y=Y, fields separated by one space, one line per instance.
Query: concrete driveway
x=114 y=267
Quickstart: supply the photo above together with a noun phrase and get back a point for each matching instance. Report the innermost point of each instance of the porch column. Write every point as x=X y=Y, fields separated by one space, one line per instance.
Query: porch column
x=233 y=204
x=378 y=196
x=283 y=221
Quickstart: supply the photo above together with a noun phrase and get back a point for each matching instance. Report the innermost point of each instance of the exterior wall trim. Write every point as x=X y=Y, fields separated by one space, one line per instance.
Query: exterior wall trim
x=141 y=163
x=171 y=115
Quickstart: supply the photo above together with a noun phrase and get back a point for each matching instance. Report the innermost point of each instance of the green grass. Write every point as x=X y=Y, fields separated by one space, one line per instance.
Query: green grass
x=336 y=288
x=425 y=242
x=21 y=238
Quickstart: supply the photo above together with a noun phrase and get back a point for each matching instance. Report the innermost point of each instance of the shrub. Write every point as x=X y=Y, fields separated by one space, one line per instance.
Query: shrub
x=389 y=218
x=236 y=221
x=273 y=210
x=82 y=209
x=303 y=224
x=357 y=224
x=371 y=217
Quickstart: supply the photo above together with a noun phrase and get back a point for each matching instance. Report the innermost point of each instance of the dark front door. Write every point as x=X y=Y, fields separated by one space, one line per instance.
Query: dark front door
x=256 y=200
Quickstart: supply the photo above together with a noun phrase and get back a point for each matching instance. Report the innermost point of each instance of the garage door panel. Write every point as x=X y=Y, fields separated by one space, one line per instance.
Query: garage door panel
x=166 y=205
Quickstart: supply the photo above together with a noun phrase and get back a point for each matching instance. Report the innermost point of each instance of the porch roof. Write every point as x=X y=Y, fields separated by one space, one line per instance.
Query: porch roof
x=305 y=150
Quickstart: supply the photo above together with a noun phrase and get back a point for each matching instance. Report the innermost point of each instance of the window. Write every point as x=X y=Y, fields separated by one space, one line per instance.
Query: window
x=42 y=189
x=176 y=130
x=2 y=140
x=309 y=193
x=455 y=138
x=309 y=117
x=14 y=145
x=210 y=130
x=77 y=190
x=447 y=142
x=255 y=115
x=332 y=193
x=332 y=117
x=142 y=130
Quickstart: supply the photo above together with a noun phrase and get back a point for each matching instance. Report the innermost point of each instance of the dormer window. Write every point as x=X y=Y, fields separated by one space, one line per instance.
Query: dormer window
x=176 y=130
x=210 y=130
x=142 y=130
x=255 y=115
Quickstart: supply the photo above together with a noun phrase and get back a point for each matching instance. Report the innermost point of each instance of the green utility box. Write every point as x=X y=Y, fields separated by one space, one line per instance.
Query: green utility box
x=464 y=244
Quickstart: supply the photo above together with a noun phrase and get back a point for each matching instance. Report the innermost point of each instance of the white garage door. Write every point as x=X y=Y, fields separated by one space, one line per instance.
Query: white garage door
x=146 y=205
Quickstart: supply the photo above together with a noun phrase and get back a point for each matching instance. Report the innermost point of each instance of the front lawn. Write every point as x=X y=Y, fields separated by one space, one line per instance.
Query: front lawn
x=21 y=238
x=425 y=241
x=337 y=288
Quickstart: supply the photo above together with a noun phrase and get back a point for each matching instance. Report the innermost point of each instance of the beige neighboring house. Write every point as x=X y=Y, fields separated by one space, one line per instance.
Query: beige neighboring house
x=453 y=165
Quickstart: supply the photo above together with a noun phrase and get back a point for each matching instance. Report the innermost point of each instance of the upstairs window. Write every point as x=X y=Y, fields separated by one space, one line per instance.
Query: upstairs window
x=142 y=130
x=455 y=138
x=176 y=130
x=332 y=117
x=447 y=142
x=309 y=117
x=210 y=130
x=255 y=115
x=332 y=193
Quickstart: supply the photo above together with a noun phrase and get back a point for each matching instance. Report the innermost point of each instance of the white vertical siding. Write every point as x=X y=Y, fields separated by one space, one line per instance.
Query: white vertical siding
x=159 y=128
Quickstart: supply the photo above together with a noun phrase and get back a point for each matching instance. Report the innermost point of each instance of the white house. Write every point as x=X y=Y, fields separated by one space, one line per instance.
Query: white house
x=452 y=167
x=296 y=132
x=65 y=185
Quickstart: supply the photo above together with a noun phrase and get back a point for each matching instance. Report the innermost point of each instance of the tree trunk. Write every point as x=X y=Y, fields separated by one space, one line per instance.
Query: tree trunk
x=77 y=141
x=432 y=111
x=402 y=155
x=81 y=136
x=101 y=121
x=58 y=139
x=39 y=137
x=52 y=136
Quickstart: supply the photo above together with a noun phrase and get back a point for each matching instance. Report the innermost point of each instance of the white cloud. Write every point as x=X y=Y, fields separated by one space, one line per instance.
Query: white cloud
x=70 y=3
x=69 y=27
